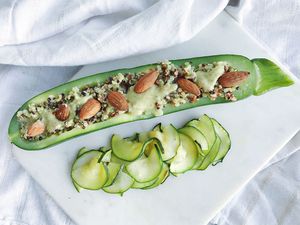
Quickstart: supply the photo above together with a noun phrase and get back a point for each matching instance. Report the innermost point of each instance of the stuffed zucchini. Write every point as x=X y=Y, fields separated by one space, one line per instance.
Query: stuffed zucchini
x=111 y=98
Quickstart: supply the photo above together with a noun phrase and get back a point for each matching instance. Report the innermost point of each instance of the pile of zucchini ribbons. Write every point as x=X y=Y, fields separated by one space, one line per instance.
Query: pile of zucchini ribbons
x=145 y=160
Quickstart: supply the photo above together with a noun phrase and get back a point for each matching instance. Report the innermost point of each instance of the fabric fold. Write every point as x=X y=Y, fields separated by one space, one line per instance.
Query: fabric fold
x=107 y=36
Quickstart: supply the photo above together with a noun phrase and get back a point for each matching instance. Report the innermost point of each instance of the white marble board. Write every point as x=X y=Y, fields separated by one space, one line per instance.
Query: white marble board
x=259 y=127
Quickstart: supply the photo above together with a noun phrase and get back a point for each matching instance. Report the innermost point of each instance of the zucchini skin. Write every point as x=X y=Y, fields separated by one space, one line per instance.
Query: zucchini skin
x=264 y=76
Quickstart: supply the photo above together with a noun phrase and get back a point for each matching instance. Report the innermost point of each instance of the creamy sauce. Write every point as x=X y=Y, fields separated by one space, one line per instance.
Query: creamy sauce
x=52 y=123
x=207 y=80
x=144 y=103
x=180 y=157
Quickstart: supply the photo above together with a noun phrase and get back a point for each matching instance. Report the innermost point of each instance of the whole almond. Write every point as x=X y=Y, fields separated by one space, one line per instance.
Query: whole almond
x=117 y=100
x=63 y=112
x=232 y=79
x=89 y=109
x=35 y=129
x=188 y=86
x=145 y=82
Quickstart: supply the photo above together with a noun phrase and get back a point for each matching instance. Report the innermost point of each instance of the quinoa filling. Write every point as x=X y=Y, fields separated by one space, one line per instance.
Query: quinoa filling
x=165 y=91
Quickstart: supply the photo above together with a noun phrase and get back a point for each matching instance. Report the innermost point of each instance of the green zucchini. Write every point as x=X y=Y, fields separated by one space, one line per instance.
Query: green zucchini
x=269 y=76
x=169 y=139
x=144 y=136
x=115 y=159
x=106 y=156
x=77 y=187
x=143 y=185
x=198 y=162
x=113 y=170
x=82 y=151
x=164 y=173
x=121 y=183
x=264 y=76
x=186 y=156
x=225 y=141
x=104 y=149
x=211 y=155
x=88 y=172
x=206 y=127
x=147 y=167
x=126 y=149
x=200 y=140
x=197 y=136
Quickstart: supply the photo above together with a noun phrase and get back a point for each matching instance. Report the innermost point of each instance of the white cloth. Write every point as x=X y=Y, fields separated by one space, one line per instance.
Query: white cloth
x=64 y=32
x=22 y=201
